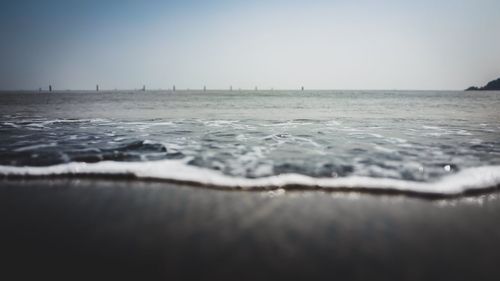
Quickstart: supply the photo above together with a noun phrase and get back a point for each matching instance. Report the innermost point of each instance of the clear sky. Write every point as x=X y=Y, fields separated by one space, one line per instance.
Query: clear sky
x=384 y=44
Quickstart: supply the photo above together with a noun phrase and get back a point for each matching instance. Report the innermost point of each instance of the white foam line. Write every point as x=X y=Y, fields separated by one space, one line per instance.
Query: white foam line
x=36 y=146
x=176 y=170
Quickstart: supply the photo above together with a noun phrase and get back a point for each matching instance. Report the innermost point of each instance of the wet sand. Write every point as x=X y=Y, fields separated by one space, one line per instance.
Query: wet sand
x=118 y=229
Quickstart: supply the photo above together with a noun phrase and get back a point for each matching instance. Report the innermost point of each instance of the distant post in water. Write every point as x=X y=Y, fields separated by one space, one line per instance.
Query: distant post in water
x=204 y=88
x=173 y=88
x=97 y=88
x=302 y=89
x=50 y=88
x=230 y=88
x=144 y=88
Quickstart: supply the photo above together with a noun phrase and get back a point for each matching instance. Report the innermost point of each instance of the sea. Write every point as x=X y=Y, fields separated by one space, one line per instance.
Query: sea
x=418 y=142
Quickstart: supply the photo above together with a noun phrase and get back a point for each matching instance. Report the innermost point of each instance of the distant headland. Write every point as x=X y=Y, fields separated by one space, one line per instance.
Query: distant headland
x=491 y=86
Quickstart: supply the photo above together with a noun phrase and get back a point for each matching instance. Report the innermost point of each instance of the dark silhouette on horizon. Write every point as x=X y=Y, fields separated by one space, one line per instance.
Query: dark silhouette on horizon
x=50 y=88
x=97 y=88
x=491 y=86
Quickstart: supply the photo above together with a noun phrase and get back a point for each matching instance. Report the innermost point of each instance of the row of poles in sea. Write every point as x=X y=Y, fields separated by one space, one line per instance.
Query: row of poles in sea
x=50 y=88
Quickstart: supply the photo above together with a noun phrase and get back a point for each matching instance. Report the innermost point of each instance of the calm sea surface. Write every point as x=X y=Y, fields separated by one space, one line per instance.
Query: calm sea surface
x=417 y=136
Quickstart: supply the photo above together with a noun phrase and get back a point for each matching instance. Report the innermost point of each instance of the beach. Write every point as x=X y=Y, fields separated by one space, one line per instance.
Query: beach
x=250 y=140
x=192 y=185
x=81 y=228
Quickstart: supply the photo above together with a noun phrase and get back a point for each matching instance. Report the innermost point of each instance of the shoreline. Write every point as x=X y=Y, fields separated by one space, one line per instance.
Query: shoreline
x=82 y=228
x=471 y=181
x=287 y=188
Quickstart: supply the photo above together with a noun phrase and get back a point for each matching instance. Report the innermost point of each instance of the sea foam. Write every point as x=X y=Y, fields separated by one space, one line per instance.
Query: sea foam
x=466 y=180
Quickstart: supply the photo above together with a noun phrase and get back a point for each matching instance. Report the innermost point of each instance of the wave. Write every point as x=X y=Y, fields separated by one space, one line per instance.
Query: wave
x=478 y=179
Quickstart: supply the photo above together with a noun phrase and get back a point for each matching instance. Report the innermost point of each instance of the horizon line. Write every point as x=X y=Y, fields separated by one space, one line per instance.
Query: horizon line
x=299 y=89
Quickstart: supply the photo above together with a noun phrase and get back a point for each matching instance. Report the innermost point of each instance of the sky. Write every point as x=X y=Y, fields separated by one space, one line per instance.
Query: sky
x=124 y=44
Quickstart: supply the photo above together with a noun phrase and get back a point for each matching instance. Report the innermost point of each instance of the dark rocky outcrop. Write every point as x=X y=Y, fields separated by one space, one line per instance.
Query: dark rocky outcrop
x=491 y=86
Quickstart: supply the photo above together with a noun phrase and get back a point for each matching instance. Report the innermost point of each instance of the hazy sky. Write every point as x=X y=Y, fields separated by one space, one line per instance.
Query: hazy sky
x=384 y=44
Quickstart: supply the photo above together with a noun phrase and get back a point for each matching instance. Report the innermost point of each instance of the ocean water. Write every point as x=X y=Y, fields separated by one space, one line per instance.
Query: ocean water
x=410 y=141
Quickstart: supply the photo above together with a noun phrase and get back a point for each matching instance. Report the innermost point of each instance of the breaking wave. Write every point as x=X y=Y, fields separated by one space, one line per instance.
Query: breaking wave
x=468 y=180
